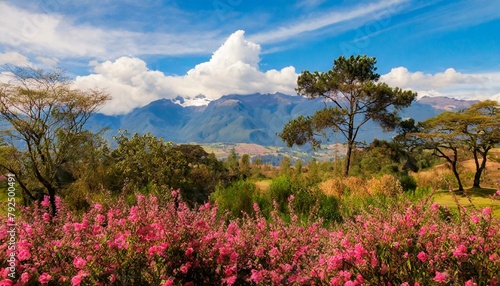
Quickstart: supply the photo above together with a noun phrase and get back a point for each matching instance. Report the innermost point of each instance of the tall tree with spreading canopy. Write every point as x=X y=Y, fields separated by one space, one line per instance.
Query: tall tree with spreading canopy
x=357 y=96
x=44 y=117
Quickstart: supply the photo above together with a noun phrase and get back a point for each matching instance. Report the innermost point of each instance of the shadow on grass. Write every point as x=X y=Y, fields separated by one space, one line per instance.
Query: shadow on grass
x=480 y=192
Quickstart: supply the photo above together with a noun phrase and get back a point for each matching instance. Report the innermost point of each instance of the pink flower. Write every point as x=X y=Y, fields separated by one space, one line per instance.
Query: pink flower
x=440 y=277
x=78 y=226
x=98 y=206
x=460 y=251
x=121 y=242
x=498 y=192
x=360 y=278
x=185 y=267
x=256 y=206
x=100 y=218
x=46 y=201
x=422 y=256
x=256 y=276
x=76 y=280
x=6 y=282
x=470 y=283
x=169 y=282
x=24 y=254
x=189 y=251
x=345 y=274
x=487 y=211
x=231 y=280
x=44 y=278
x=474 y=219
x=79 y=262
x=435 y=207
x=25 y=277
x=46 y=217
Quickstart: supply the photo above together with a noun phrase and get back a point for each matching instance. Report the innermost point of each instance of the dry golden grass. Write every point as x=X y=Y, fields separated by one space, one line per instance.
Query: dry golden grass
x=440 y=176
x=332 y=187
x=436 y=178
x=387 y=185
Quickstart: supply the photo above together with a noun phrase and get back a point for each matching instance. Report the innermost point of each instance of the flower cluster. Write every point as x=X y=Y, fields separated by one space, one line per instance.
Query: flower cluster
x=154 y=243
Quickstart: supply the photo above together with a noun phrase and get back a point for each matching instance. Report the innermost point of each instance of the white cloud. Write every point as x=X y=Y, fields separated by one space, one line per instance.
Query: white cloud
x=51 y=62
x=55 y=35
x=449 y=83
x=233 y=68
x=13 y=58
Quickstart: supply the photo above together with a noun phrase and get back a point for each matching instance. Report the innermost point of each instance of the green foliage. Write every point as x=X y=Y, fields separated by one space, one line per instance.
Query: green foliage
x=245 y=166
x=285 y=167
x=280 y=190
x=236 y=199
x=313 y=172
x=232 y=164
x=407 y=182
x=329 y=208
x=148 y=162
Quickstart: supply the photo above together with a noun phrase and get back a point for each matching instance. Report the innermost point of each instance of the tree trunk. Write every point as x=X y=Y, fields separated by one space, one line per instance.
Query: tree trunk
x=52 y=199
x=479 y=167
x=453 y=162
x=348 y=159
x=457 y=176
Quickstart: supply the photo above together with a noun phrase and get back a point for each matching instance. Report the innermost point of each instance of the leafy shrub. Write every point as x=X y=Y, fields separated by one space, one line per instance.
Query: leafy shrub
x=407 y=182
x=236 y=199
x=280 y=190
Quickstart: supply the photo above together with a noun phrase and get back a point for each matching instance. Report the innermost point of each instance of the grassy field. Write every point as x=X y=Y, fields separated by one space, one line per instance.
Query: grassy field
x=4 y=200
x=475 y=198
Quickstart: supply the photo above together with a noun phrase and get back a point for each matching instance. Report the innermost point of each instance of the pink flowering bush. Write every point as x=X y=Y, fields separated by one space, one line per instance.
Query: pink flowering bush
x=167 y=243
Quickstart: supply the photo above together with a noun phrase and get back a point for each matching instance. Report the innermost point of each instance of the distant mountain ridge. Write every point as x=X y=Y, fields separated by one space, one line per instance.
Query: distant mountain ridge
x=254 y=118
x=446 y=103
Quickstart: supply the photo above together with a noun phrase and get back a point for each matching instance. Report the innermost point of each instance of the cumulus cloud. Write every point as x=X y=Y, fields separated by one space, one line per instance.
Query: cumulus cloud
x=449 y=83
x=233 y=68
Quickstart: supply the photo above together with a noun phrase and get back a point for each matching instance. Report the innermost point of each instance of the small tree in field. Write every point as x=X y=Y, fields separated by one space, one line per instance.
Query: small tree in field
x=482 y=130
x=45 y=116
x=476 y=129
x=351 y=85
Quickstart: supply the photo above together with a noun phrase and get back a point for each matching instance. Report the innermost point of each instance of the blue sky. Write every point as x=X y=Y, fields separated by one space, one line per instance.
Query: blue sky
x=141 y=51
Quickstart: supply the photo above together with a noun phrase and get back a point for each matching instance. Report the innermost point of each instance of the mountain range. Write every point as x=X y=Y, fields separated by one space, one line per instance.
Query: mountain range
x=253 y=118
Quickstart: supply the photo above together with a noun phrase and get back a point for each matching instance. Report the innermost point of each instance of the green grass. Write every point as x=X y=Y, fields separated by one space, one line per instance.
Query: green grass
x=4 y=200
x=480 y=199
